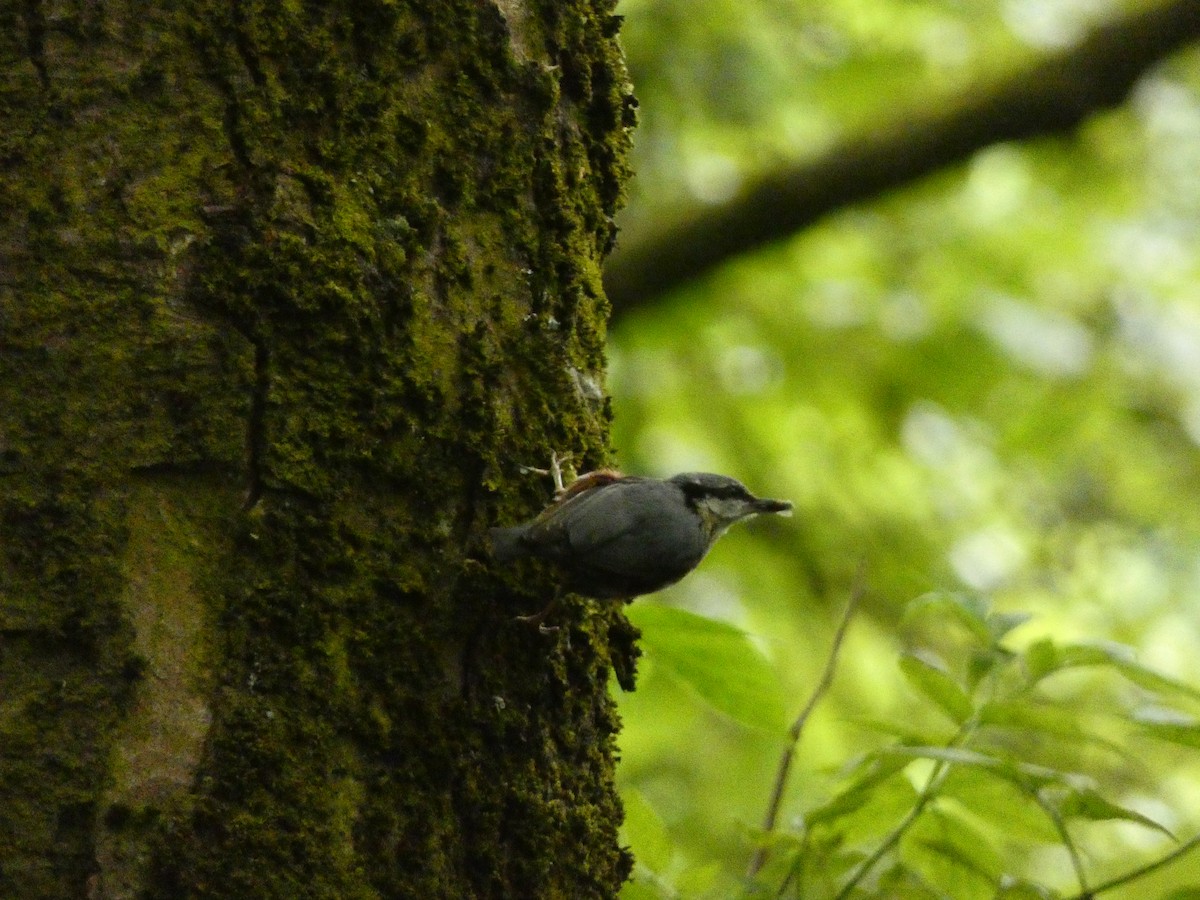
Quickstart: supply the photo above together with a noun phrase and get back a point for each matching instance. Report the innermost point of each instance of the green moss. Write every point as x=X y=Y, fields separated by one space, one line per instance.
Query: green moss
x=157 y=746
x=344 y=261
x=66 y=672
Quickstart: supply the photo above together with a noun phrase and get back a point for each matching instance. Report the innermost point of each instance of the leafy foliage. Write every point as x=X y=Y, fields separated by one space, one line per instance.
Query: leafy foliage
x=701 y=653
x=956 y=812
x=984 y=387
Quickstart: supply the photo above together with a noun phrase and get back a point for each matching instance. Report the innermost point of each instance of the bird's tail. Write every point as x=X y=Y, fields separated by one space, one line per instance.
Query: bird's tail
x=506 y=543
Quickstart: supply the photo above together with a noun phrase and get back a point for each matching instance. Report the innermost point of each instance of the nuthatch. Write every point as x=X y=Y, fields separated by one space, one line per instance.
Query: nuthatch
x=619 y=536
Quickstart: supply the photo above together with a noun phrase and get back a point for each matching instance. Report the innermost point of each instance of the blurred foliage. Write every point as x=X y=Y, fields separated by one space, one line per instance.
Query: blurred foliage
x=986 y=387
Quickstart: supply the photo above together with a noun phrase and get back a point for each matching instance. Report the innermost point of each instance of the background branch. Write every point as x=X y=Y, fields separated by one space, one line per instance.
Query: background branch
x=823 y=684
x=1051 y=96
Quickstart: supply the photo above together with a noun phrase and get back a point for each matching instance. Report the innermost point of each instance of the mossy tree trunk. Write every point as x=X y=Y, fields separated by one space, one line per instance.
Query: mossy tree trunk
x=287 y=292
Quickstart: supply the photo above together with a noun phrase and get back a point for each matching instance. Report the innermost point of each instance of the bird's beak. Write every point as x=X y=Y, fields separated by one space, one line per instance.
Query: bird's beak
x=766 y=505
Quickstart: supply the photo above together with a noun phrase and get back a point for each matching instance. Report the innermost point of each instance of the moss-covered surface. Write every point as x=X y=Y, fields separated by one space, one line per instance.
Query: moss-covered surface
x=170 y=554
x=306 y=282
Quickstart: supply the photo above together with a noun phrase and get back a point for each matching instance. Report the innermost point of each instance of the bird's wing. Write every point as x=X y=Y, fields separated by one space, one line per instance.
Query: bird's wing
x=589 y=519
x=635 y=525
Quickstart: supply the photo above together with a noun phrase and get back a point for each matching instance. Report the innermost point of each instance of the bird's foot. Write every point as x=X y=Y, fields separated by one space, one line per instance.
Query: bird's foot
x=555 y=471
x=539 y=618
x=578 y=483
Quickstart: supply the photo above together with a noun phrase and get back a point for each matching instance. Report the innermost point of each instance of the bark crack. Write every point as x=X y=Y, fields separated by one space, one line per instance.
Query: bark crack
x=35 y=40
x=256 y=426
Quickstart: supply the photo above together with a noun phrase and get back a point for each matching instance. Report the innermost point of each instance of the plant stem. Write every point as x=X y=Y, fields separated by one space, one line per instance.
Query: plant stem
x=1121 y=880
x=785 y=762
x=927 y=793
x=1072 y=850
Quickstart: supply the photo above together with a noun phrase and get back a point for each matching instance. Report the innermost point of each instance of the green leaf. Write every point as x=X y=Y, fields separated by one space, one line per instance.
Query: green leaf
x=982 y=663
x=717 y=661
x=1002 y=803
x=1032 y=717
x=901 y=881
x=1186 y=735
x=645 y=832
x=968 y=610
x=823 y=870
x=1156 y=682
x=1041 y=659
x=1020 y=773
x=1085 y=803
x=937 y=685
x=957 y=755
x=905 y=731
x=695 y=881
x=642 y=889
x=1044 y=657
x=1020 y=889
x=953 y=854
x=1000 y=624
x=1121 y=658
x=882 y=787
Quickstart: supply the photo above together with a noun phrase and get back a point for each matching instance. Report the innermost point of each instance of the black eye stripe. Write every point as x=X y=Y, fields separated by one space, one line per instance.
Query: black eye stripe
x=696 y=491
x=730 y=493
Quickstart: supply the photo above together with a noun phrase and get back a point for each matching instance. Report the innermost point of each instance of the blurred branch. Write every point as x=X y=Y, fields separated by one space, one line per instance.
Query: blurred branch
x=1053 y=95
x=1067 y=841
x=1142 y=871
x=934 y=784
x=826 y=681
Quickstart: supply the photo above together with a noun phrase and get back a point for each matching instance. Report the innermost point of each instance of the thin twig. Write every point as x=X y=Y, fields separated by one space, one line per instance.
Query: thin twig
x=936 y=777
x=941 y=770
x=796 y=871
x=1121 y=880
x=1072 y=850
x=785 y=761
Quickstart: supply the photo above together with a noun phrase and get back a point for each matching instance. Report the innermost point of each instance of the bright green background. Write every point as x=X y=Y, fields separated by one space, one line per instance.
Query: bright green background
x=986 y=383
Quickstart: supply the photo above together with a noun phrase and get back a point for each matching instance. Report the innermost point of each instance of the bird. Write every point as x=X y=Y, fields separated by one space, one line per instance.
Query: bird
x=614 y=536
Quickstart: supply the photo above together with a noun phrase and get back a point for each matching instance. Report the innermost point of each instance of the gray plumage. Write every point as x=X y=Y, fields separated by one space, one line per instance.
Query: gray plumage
x=624 y=536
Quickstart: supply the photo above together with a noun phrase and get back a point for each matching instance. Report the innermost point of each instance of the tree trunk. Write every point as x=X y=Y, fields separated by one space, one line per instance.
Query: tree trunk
x=287 y=292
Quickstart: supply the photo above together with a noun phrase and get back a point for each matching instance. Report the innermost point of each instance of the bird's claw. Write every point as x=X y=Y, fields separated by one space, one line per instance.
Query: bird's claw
x=538 y=618
x=555 y=471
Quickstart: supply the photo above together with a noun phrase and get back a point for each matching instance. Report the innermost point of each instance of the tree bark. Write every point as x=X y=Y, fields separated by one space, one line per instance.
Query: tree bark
x=287 y=291
x=1051 y=96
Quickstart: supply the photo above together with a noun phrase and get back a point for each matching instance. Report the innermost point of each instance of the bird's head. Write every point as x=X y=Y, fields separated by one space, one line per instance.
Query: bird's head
x=720 y=501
